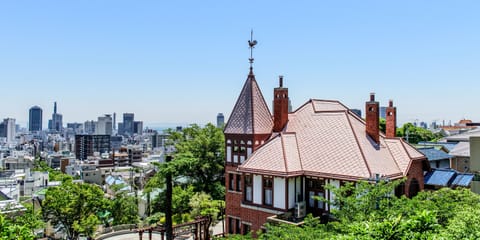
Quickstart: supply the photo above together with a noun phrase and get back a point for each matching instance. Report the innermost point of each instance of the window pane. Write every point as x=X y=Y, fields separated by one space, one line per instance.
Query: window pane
x=248 y=193
x=320 y=203
x=268 y=197
x=311 y=201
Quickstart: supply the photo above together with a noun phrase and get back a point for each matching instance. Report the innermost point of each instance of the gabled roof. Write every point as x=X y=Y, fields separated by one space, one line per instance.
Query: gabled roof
x=324 y=138
x=250 y=114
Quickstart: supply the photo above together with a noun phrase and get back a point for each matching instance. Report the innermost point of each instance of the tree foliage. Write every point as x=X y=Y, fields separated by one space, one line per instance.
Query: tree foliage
x=124 y=208
x=199 y=156
x=417 y=134
x=369 y=211
x=74 y=207
x=12 y=231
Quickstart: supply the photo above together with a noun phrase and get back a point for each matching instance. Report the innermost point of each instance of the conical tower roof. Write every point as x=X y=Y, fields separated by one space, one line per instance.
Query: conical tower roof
x=250 y=114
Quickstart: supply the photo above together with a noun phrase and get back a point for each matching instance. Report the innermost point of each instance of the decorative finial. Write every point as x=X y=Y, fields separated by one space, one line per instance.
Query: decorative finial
x=251 y=44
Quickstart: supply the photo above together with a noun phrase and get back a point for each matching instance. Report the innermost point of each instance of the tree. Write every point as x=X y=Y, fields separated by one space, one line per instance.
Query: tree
x=203 y=205
x=29 y=219
x=371 y=211
x=124 y=208
x=417 y=134
x=13 y=231
x=74 y=207
x=199 y=156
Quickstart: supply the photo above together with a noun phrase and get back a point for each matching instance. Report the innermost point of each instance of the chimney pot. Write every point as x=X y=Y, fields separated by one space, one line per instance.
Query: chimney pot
x=280 y=81
x=390 y=103
x=372 y=97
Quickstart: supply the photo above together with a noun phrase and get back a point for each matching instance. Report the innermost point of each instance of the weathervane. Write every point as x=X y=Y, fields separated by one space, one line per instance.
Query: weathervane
x=251 y=44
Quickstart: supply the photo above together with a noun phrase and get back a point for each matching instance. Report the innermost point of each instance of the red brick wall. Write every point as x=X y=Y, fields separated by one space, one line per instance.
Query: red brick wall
x=280 y=108
x=391 y=120
x=372 y=118
x=415 y=172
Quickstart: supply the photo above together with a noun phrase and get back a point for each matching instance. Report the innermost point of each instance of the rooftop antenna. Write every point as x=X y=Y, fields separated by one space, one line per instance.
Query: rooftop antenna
x=251 y=44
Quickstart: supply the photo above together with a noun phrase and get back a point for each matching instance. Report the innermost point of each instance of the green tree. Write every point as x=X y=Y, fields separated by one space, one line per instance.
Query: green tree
x=74 y=207
x=371 y=211
x=199 y=156
x=417 y=134
x=12 y=231
x=203 y=205
x=123 y=208
x=30 y=219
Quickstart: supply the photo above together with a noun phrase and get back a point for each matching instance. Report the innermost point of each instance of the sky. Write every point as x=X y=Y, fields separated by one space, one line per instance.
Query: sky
x=178 y=62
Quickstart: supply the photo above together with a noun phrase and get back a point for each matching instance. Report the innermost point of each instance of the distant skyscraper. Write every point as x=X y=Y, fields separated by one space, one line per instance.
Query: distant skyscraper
x=128 y=119
x=120 y=128
x=383 y=112
x=114 y=121
x=104 y=125
x=89 y=127
x=35 y=119
x=138 y=127
x=10 y=129
x=220 y=120
x=56 y=123
x=358 y=112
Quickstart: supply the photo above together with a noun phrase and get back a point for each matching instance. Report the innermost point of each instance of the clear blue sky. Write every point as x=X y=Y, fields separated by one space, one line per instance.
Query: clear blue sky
x=185 y=61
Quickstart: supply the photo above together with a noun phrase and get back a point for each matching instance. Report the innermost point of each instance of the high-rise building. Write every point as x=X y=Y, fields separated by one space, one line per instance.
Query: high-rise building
x=114 y=121
x=383 y=112
x=128 y=119
x=104 y=125
x=76 y=128
x=10 y=129
x=35 y=119
x=87 y=145
x=220 y=120
x=120 y=128
x=56 y=123
x=89 y=127
x=138 y=127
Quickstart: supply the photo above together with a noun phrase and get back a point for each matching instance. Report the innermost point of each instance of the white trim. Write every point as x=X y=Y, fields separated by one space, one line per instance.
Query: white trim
x=247 y=223
x=261 y=209
x=231 y=191
x=233 y=172
x=234 y=217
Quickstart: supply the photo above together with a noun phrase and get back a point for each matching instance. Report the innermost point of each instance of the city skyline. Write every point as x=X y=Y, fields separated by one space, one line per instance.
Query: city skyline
x=184 y=63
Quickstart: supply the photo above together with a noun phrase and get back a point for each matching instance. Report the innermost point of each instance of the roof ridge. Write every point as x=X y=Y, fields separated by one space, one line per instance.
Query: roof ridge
x=298 y=152
x=395 y=160
x=283 y=151
x=358 y=144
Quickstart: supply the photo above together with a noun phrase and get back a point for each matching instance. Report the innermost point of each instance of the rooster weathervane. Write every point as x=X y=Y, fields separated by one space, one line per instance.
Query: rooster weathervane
x=251 y=44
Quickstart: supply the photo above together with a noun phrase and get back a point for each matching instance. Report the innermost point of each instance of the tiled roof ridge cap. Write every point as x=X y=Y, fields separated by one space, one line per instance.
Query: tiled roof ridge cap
x=283 y=152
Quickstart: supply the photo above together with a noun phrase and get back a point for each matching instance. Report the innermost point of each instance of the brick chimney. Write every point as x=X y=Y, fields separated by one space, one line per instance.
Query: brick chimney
x=372 y=118
x=280 y=106
x=391 y=120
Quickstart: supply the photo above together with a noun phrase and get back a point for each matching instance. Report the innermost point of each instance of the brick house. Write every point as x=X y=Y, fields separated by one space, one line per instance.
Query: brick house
x=275 y=164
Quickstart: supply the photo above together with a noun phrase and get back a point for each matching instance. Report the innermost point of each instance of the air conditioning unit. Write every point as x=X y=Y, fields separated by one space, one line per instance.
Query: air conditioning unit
x=300 y=210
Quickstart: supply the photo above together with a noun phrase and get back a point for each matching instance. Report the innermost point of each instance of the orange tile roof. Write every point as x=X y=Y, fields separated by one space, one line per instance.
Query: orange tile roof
x=323 y=138
x=250 y=114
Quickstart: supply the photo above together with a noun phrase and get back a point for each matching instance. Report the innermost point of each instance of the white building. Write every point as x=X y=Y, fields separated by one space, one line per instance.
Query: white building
x=10 y=129
x=104 y=125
